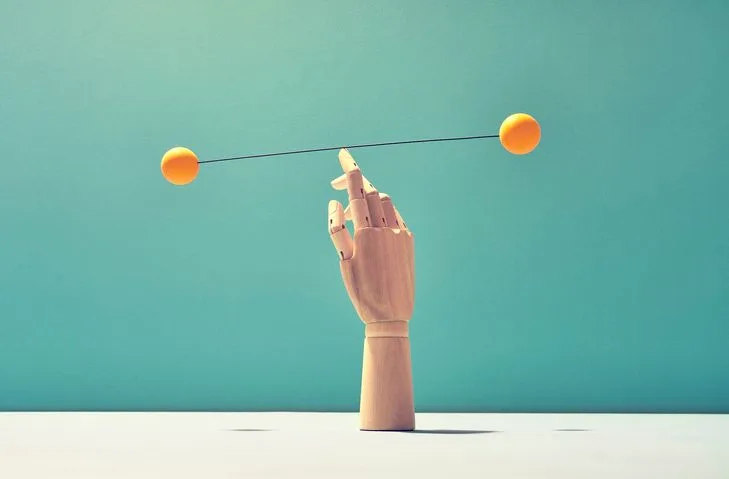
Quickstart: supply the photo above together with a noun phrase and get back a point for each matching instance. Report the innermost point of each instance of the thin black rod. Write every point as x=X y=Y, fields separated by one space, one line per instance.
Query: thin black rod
x=332 y=148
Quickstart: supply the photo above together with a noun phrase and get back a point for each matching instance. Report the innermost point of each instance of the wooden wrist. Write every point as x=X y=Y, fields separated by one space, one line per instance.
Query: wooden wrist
x=387 y=329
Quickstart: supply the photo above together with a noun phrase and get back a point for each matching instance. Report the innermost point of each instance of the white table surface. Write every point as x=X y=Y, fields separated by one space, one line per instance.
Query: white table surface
x=329 y=445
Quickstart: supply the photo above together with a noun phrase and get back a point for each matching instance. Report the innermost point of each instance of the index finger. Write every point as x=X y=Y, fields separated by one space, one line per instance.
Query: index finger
x=346 y=161
x=376 y=217
x=358 y=208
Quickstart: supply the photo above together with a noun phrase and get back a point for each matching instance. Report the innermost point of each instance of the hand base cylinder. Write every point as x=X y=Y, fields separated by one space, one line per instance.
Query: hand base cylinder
x=386 y=403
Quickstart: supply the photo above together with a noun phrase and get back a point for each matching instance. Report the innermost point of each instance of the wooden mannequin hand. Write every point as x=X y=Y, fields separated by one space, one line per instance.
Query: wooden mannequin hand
x=378 y=266
x=378 y=273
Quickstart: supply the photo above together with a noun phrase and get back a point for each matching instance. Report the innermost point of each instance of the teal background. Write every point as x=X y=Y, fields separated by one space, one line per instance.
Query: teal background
x=591 y=275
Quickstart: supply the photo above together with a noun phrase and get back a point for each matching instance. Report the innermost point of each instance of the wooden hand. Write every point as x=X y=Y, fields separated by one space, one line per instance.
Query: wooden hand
x=378 y=272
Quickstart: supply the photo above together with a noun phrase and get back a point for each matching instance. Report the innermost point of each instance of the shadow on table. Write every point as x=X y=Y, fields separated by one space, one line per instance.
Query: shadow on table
x=573 y=430
x=249 y=430
x=449 y=431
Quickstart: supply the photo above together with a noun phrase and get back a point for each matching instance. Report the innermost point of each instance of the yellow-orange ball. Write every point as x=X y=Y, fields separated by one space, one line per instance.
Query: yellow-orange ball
x=520 y=133
x=180 y=166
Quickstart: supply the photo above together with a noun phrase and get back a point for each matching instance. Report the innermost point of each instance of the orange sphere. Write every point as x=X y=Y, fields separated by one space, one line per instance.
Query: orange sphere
x=520 y=133
x=180 y=166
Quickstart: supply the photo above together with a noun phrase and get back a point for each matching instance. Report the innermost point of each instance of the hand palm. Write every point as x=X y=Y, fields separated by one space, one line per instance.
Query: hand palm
x=379 y=276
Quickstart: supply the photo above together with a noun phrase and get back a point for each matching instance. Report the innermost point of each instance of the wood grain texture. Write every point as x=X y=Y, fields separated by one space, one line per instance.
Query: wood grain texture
x=380 y=276
x=380 y=281
x=387 y=399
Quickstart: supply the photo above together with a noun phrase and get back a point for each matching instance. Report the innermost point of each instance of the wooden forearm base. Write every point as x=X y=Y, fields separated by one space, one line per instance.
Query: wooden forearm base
x=387 y=402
